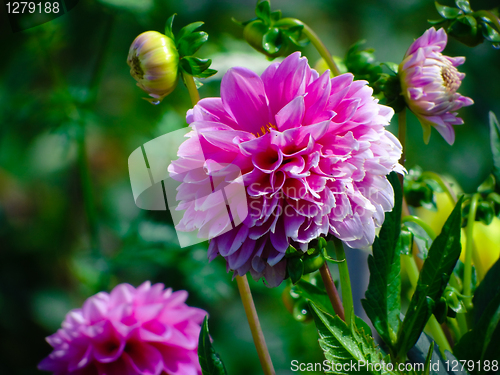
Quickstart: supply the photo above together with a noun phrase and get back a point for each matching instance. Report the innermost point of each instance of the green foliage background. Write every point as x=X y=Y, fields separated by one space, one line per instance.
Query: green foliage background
x=70 y=74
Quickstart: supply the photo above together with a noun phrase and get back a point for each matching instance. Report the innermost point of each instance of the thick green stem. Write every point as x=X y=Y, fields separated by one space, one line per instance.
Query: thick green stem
x=422 y=224
x=471 y=218
x=315 y=40
x=438 y=334
x=331 y=290
x=255 y=328
x=432 y=325
x=345 y=282
x=191 y=86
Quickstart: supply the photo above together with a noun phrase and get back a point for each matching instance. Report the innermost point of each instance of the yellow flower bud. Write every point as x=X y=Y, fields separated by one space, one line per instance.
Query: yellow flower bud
x=154 y=62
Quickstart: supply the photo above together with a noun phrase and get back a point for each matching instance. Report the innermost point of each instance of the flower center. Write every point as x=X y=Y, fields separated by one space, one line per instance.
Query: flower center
x=136 y=68
x=451 y=80
x=265 y=129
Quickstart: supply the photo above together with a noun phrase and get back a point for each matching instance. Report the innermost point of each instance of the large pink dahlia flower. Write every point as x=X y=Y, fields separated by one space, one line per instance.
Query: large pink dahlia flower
x=143 y=331
x=429 y=82
x=313 y=153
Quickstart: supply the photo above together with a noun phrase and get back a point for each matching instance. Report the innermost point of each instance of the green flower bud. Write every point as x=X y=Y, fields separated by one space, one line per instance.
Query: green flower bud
x=265 y=39
x=313 y=263
x=154 y=64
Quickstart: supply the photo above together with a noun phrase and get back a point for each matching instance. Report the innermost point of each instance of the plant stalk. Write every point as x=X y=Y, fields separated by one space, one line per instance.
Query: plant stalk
x=471 y=218
x=255 y=328
x=345 y=282
x=331 y=290
x=191 y=86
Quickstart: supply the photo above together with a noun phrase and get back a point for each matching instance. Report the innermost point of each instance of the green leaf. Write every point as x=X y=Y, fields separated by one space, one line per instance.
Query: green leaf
x=344 y=346
x=422 y=239
x=447 y=12
x=295 y=268
x=486 y=291
x=275 y=16
x=495 y=145
x=194 y=65
x=271 y=41
x=464 y=5
x=168 y=27
x=435 y=274
x=263 y=11
x=490 y=34
x=210 y=362
x=481 y=344
x=319 y=297
x=207 y=73
x=188 y=29
x=405 y=242
x=383 y=300
x=314 y=294
x=191 y=43
x=420 y=352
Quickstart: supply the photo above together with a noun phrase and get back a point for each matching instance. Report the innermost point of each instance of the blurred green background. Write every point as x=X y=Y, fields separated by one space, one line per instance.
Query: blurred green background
x=68 y=78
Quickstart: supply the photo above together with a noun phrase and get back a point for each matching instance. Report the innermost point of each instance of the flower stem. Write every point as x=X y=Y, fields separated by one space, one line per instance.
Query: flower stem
x=438 y=334
x=471 y=218
x=443 y=184
x=432 y=325
x=191 y=86
x=331 y=290
x=255 y=328
x=426 y=227
x=315 y=40
x=345 y=282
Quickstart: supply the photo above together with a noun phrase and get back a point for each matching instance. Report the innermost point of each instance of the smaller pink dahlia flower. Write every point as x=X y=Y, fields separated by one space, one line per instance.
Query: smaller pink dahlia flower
x=429 y=82
x=143 y=331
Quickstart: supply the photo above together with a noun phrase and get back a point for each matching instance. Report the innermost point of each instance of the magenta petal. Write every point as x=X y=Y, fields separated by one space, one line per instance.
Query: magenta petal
x=241 y=85
x=144 y=358
x=291 y=115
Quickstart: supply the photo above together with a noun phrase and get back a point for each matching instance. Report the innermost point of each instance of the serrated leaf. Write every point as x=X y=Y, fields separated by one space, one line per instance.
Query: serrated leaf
x=434 y=276
x=447 y=12
x=495 y=145
x=168 y=27
x=263 y=11
x=344 y=346
x=319 y=297
x=194 y=65
x=490 y=33
x=383 y=300
x=191 y=43
x=481 y=344
x=210 y=361
x=464 y=5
